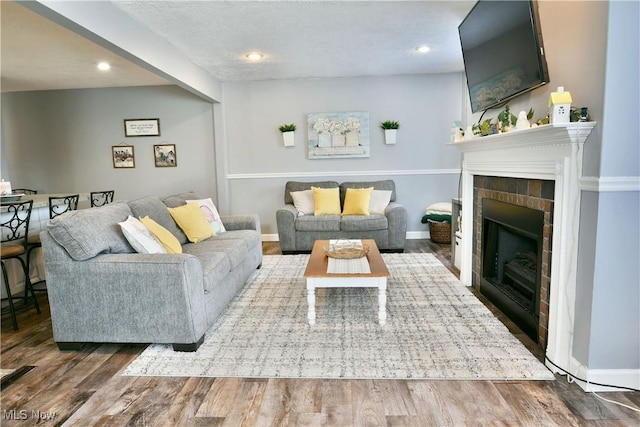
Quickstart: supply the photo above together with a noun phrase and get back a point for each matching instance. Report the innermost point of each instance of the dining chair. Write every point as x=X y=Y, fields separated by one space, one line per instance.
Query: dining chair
x=57 y=206
x=24 y=191
x=101 y=198
x=14 y=226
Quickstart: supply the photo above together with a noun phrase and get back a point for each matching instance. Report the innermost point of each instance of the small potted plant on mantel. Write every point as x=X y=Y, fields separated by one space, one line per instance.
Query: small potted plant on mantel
x=288 y=134
x=390 y=128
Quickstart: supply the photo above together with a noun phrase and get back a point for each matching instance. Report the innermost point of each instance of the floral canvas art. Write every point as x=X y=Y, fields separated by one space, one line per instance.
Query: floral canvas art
x=341 y=135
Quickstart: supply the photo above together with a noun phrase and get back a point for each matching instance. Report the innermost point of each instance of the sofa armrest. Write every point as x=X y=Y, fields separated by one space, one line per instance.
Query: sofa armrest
x=241 y=222
x=397 y=216
x=125 y=297
x=285 y=219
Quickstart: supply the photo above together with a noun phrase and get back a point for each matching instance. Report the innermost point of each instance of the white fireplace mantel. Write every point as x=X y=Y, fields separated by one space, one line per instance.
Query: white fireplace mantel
x=550 y=152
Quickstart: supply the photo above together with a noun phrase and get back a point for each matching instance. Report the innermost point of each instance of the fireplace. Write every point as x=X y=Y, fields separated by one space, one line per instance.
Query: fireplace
x=549 y=154
x=511 y=254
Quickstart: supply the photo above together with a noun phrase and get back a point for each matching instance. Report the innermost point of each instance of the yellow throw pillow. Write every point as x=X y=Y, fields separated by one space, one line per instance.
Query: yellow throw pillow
x=192 y=221
x=167 y=239
x=326 y=201
x=356 y=201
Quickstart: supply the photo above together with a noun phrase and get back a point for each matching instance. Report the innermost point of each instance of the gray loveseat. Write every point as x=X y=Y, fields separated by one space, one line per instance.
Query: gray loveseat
x=297 y=233
x=101 y=290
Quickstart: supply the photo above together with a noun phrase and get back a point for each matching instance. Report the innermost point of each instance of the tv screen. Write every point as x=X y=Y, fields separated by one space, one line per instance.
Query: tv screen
x=502 y=51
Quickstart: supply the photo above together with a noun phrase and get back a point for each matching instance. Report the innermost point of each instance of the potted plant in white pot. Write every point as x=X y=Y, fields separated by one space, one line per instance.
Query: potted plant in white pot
x=390 y=128
x=288 y=134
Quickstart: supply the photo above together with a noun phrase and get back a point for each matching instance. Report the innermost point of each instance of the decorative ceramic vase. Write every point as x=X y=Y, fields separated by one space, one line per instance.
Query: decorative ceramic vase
x=338 y=140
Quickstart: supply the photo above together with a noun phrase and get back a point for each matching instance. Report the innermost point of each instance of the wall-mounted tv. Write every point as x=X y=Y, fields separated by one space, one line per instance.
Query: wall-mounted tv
x=503 y=52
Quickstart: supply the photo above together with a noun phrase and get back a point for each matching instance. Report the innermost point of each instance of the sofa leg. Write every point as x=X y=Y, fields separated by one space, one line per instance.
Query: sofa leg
x=70 y=346
x=188 y=347
x=259 y=266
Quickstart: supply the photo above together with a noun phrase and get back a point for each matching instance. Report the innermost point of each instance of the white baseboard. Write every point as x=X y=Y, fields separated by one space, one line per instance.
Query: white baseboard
x=629 y=378
x=411 y=235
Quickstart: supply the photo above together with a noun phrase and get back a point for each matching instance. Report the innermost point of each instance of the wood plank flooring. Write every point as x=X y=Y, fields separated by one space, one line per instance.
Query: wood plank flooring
x=85 y=389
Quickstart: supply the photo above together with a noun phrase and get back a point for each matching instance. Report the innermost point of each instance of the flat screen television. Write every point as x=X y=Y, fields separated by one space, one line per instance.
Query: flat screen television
x=502 y=51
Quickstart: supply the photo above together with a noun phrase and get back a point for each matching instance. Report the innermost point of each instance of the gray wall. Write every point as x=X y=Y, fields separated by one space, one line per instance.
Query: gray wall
x=60 y=141
x=608 y=302
x=425 y=169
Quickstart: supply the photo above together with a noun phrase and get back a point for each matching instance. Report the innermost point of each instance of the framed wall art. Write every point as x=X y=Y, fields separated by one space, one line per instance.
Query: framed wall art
x=338 y=135
x=165 y=155
x=123 y=156
x=141 y=127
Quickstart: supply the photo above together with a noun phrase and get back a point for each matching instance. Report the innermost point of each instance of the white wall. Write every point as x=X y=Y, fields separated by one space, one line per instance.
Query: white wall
x=424 y=167
x=60 y=141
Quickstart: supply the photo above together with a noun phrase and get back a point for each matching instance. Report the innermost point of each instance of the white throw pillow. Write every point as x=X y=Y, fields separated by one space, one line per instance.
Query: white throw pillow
x=140 y=238
x=303 y=201
x=211 y=213
x=379 y=201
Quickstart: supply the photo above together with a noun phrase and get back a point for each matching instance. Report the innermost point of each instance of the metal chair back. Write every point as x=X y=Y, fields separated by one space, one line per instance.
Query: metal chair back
x=101 y=198
x=61 y=204
x=14 y=223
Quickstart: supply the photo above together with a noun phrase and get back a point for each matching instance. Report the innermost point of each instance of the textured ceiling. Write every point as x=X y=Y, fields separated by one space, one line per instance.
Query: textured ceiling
x=37 y=54
x=306 y=39
x=299 y=39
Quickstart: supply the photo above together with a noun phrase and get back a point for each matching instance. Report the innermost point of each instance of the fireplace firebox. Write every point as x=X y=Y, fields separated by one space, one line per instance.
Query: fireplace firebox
x=512 y=261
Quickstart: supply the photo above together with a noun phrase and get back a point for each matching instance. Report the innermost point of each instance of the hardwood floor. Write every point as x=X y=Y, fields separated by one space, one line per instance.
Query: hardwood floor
x=85 y=389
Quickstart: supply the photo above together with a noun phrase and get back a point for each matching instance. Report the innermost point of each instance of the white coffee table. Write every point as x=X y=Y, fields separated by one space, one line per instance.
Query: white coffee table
x=317 y=277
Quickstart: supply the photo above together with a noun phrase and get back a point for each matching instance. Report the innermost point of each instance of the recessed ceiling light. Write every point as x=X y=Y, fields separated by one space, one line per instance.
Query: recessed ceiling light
x=423 y=49
x=104 y=66
x=254 y=56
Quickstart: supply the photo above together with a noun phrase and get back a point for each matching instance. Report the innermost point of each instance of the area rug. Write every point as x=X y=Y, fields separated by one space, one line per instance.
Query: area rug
x=436 y=329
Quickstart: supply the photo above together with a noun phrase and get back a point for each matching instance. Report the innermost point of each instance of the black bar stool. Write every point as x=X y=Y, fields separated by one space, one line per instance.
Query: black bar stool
x=14 y=227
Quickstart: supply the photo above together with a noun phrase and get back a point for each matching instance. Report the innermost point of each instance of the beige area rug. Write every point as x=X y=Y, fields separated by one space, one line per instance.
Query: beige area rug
x=436 y=329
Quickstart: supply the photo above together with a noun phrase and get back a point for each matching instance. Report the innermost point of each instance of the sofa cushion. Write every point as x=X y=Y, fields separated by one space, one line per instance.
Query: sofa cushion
x=86 y=233
x=168 y=240
x=215 y=264
x=303 y=201
x=301 y=186
x=192 y=222
x=364 y=222
x=210 y=212
x=180 y=199
x=251 y=238
x=379 y=201
x=153 y=207
x=235 y=249
x=140 y=237
x=318 y=223
x=387 y=184
x=356 y=201
x=326 y=201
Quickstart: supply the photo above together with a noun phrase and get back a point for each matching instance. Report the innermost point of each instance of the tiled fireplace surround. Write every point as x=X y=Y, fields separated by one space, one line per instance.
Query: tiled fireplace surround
x=533 y=194
x=543 y=157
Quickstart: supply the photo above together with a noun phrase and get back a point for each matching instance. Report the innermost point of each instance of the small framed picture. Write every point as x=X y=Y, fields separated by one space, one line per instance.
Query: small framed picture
x=165 y=155
x=123 y=156
x=141 y=127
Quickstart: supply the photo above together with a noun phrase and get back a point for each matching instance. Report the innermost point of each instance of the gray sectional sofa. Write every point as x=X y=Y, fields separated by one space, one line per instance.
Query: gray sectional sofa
x=297 y=233
x=101 y=290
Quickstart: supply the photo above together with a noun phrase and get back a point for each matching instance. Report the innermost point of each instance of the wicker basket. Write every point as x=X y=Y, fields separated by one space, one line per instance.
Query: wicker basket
x=346 y=252
x=440 y=231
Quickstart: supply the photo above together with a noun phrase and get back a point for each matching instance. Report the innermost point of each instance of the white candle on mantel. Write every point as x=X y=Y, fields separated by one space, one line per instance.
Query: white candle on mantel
x=5 y=187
